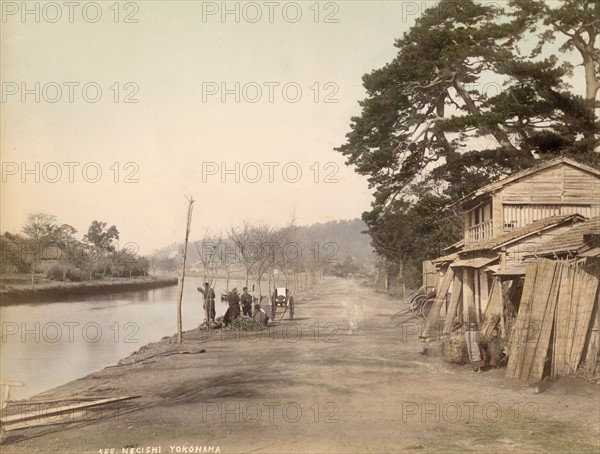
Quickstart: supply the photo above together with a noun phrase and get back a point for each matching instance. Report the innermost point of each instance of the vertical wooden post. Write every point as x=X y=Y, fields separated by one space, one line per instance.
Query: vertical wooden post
x=385 y=275
x=477 y=296
x=483 y=290
x=185 y=246
x=468 y=302
x=502 y=258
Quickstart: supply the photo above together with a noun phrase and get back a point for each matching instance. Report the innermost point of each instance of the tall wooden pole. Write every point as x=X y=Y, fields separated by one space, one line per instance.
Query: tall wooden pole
x=185 y=246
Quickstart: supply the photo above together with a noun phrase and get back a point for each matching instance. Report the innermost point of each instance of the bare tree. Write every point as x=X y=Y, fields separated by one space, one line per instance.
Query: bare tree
x=184 y=254
x=241 y=238
x=257 y=247
x=264 y=243
x=210 y=252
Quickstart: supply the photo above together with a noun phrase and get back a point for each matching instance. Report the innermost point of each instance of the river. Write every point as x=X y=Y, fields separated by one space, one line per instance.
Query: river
x=47 y=344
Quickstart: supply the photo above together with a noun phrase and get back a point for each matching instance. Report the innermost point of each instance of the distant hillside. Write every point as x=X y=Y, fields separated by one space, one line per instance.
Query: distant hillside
x=345 y=234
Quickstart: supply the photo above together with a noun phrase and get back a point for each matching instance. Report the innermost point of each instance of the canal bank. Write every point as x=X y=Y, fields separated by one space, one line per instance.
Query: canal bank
x=341 y=377
x=59 y=291
x=75 y=336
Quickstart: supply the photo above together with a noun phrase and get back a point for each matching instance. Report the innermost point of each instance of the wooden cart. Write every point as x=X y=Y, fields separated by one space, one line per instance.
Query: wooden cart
x=281 y=303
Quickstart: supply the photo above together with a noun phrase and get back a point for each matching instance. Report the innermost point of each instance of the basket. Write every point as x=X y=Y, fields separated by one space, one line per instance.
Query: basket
x=454 y=348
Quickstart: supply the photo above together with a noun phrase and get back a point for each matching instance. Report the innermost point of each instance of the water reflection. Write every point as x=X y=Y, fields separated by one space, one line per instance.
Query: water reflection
x=48 y=344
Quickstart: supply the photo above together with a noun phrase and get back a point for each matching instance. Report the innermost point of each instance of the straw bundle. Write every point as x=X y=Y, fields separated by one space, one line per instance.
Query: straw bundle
x=454 y=348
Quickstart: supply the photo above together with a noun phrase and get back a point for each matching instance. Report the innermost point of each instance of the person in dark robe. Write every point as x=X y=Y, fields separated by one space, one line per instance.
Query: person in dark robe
x=246 y=300
x=494 y=349
x=209 y=301
x=234 y=311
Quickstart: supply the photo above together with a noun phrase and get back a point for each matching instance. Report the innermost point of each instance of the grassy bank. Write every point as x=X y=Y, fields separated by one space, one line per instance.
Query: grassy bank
x=59 y=291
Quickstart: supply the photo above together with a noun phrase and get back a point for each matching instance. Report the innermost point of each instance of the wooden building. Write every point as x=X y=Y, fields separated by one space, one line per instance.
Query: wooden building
x=507 y=223
x=554 y=188
x=557 y=328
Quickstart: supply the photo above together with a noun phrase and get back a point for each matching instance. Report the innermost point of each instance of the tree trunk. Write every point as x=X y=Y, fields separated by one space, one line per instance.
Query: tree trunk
x=259 y=289
x=592 y=82
x=497 y=133
x=592 y=79
x=401 y=272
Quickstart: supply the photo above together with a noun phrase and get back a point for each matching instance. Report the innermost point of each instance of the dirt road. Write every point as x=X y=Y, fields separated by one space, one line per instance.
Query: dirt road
x=342 y=377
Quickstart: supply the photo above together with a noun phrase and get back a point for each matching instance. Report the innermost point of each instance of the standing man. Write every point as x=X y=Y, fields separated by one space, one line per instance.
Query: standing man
x=209 y=301
x=246 y=300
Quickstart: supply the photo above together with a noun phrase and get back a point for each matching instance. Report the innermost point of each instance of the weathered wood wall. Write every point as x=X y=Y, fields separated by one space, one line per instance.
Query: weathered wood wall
x=559 y=190
x=560 y=184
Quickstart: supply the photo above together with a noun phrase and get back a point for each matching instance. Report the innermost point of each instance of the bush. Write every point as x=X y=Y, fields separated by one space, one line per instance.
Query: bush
x=57 y=271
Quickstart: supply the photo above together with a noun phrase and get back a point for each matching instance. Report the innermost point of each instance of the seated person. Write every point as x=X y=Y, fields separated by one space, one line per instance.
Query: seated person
x=260 y=316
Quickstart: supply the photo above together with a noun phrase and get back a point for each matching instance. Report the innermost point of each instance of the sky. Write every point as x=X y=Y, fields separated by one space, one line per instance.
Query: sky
x=118 y=111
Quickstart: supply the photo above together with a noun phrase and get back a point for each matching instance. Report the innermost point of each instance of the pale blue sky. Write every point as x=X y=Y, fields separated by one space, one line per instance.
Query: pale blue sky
x=169 y=55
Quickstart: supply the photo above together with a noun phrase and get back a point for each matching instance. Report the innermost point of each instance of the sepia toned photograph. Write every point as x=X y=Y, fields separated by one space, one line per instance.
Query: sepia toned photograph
x=354 y=226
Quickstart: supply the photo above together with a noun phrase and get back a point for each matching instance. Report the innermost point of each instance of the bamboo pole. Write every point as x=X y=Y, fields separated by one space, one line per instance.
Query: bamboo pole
x=185 y=246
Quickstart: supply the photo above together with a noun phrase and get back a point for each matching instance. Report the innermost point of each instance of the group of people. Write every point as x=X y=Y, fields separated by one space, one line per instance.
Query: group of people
x=234 y=310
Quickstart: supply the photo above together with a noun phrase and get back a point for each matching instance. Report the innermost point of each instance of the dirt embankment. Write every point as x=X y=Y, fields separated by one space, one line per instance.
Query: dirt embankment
x=341 y=377
x=58 y=291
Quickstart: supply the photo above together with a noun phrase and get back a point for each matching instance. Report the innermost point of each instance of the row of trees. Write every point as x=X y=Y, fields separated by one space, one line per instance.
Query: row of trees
x=477 y=90
x=264 y=254
x=50 y=247
x=269 y=256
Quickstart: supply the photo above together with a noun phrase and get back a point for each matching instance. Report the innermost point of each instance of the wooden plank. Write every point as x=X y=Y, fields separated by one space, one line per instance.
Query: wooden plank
x=543 y=316
x=12 y=383
x=495 y=301
x=454 y=301
x=593 y=347
x=583 y=315
x=561 y=323
x=53 y=420
x=494 y=308
x=55 y=400
x=7 y=420
x=518 y=337
x=532 y=334
x=433 y=316
x=572 y=325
